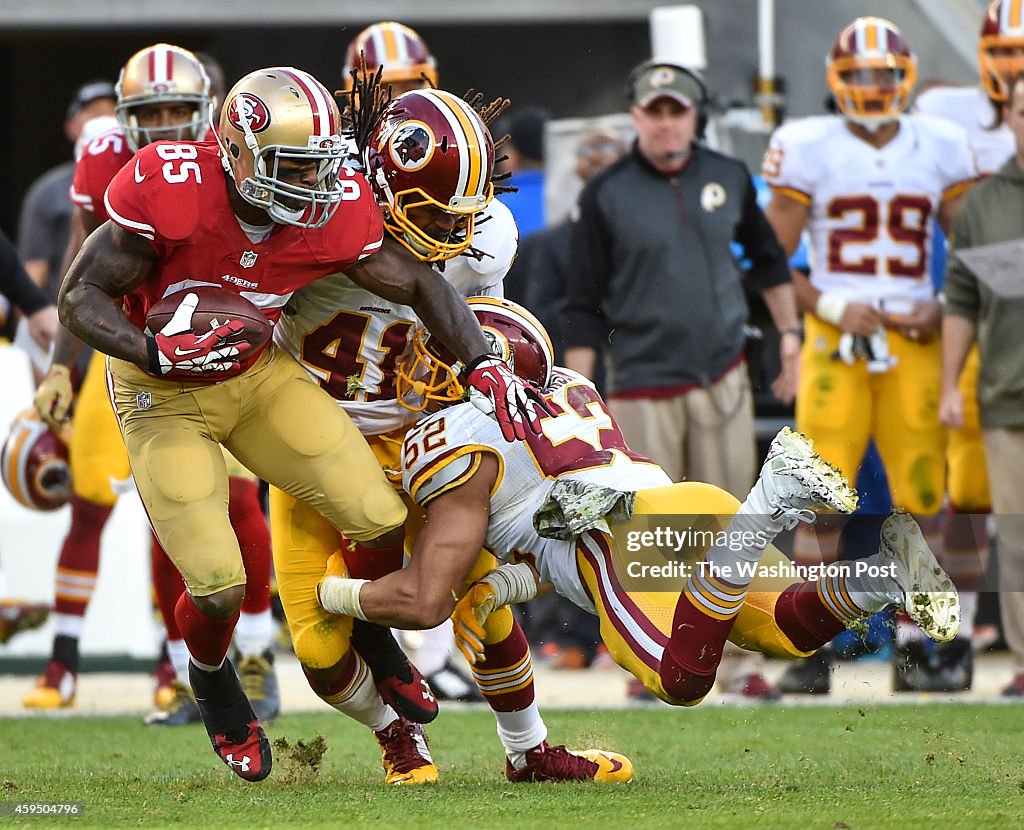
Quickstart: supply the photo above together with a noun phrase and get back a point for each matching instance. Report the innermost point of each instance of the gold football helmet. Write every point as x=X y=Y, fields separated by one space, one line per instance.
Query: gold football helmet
x=283 y=114
x=163 y=74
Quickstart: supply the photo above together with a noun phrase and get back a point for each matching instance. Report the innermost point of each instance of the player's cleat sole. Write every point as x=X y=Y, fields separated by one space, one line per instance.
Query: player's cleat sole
x=796 y=479
x=928 y=593
x=405 y=754
x=55 y=689
x=449 y=683
x=17 y=616
x=556 y=763
x=235 y=733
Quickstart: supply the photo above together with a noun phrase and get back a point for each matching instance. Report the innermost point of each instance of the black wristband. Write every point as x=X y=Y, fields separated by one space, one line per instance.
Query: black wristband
x=153 y=351
x=476 y=361
x=799 y=332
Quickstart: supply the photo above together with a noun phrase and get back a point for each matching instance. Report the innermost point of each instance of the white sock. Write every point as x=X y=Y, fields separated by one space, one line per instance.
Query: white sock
x=870 y=591
x=747 y=535
x=968 y=611
x=361 y=701
x=434 y=649
x=254 y=633
x=519 y=732
x=68 y=625
x=177 y=653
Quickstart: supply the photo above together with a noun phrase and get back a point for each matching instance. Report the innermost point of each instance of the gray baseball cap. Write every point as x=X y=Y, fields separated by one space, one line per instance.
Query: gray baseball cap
x=663 y=80
x=89 y=92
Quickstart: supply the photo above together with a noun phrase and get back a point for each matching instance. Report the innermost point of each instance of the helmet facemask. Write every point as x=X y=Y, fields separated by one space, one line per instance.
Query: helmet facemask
x=872 y=91
x=192 y=130
x=1000 y=60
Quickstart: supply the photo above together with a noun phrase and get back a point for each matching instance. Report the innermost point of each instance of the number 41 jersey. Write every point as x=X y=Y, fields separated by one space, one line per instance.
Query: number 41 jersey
x=871 y=209
x=581 y=441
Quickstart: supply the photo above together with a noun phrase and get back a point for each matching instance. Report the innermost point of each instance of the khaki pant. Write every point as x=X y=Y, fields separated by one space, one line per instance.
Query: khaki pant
x=702 y=435
x=278 y=424
x=1004 y=449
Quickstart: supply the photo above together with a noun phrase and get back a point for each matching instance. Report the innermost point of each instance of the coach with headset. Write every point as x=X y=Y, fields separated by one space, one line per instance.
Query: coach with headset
x=652 y=279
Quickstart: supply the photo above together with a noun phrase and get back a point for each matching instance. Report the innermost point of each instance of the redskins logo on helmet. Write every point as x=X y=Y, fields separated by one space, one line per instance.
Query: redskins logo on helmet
x=35 y=464
x=871 y=71
x=430 y=148
x=399 y=50
x=163 y=74
x=280 y=115
x=430 y=373
x=1001 y=47
x=411 y=145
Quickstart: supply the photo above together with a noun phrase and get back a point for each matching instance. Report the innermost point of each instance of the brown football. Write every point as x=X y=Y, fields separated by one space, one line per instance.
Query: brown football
x=215 y=307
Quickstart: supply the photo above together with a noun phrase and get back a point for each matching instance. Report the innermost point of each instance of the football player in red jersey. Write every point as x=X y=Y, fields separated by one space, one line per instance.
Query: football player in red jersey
x=558 y=510
x=263 y=211
x=163 y=93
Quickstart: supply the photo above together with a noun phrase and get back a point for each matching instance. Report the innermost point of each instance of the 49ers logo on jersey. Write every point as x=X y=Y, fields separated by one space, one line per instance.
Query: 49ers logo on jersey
x=253 y=112
x=412 y=145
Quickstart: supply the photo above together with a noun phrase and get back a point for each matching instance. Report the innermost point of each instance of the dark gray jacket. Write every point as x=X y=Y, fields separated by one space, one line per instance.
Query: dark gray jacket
x=652 y=275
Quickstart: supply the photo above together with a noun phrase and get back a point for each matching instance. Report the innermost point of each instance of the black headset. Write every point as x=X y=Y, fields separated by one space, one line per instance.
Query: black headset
x=701 y=103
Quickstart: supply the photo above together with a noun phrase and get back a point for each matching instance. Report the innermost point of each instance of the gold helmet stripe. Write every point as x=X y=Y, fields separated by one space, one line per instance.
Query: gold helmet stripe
x=472 y=152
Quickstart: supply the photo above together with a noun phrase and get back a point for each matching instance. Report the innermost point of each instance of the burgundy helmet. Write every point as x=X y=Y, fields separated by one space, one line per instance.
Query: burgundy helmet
x=35 y=464
x=430 y=372
x=871 y=71
x=399 y=49
x=1001 y=47
x=430 y=148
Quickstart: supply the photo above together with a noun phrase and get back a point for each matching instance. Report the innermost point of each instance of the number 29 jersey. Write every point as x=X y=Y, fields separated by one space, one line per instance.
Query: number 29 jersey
x=582 y=442
x=350 y=340
x=871 y=209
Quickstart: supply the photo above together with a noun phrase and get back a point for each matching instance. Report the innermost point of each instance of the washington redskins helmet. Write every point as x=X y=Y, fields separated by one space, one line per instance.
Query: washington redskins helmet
x=871 y=71
x=397 y=48
x=430 y=148
x=277 y=114
x=35 y=464
x=429 y=372
x=1001 y=47
x=163 y=74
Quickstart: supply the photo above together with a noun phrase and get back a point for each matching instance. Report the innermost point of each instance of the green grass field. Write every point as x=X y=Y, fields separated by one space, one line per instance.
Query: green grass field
x=939 y=766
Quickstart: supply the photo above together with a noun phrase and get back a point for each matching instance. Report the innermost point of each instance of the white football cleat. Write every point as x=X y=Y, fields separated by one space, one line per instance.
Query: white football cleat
x=929 y=596
x=798 y=482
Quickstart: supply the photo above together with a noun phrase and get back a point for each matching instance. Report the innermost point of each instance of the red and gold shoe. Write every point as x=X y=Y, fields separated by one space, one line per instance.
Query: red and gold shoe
x=556 y=763
x=55 y=688
x=405 y=754
x=164 y=678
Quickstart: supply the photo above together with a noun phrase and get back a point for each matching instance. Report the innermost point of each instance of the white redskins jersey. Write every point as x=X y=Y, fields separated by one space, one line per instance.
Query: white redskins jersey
x=350 y=340
x=871 y=209
x=581 y=442
x=970 y=107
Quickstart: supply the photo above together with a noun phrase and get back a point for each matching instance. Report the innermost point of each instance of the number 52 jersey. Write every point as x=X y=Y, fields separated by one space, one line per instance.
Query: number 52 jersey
x=582 y=442
x=871 y=209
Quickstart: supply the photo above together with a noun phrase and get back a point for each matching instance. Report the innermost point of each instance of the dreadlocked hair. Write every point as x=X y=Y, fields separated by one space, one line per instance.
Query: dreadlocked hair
x=488 y=114
x=367 y=100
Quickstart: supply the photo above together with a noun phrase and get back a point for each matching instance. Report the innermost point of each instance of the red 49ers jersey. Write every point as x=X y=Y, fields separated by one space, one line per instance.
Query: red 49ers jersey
x=100 y=161
x=175 y=195
x=581 y=442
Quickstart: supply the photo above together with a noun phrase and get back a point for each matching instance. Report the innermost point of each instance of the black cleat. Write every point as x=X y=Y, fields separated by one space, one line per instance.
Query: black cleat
x=811 y=676
x=235 y=733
